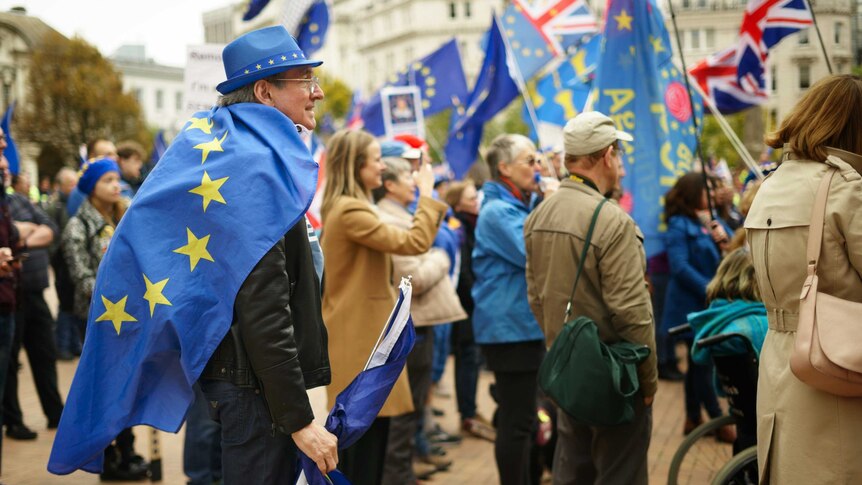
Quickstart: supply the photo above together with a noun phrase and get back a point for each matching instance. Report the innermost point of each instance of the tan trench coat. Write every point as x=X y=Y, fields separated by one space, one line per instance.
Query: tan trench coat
x=434 y=298
x=805 y=436
x=358 y=295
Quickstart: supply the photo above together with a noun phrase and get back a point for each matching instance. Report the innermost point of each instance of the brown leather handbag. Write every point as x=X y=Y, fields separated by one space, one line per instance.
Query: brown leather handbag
x=827 y=354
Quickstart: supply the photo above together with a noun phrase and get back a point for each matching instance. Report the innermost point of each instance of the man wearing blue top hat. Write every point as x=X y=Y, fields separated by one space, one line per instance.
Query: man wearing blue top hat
x=256 y=380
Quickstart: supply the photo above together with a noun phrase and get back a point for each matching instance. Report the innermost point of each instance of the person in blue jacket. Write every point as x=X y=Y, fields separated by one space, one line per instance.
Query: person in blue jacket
x=694 y=242
x=503 y=325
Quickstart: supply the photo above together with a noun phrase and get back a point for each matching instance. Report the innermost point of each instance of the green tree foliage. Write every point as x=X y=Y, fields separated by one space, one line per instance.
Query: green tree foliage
x=76 y=95
x=715 y=142
x=337 y=98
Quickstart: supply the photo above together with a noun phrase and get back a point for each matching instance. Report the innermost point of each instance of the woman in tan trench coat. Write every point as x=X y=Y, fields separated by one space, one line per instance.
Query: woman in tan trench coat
x=358 y=294
x=804 y=435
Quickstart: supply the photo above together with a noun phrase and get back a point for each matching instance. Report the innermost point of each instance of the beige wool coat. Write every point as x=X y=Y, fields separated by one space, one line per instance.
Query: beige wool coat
x=359 y=295
x=435 y=300
x=805 y=436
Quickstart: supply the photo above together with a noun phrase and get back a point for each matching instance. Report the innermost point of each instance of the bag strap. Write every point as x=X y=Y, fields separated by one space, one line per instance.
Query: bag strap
x=583 y=257
x=818 y=215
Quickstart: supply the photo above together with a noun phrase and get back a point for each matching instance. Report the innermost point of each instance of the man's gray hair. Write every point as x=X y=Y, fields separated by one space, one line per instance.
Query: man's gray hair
x=395 y=167
x=64 y=174
x=244 y=94
x=504 y=149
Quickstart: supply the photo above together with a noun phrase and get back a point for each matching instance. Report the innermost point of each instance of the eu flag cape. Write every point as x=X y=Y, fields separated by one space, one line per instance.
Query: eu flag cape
x=230 y=185
x=357 y=405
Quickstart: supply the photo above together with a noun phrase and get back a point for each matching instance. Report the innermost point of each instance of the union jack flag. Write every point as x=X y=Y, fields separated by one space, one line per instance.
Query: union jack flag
x=735 y=78
x=538 y=31
x=766 y=22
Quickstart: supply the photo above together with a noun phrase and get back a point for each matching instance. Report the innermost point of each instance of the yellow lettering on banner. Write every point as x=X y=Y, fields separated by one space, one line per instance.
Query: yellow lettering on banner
x=624 y=121
x=620 y=97
x=658 y=108
x=564 y=99
x=667 y=163
x=579 y=62
x=685 y=158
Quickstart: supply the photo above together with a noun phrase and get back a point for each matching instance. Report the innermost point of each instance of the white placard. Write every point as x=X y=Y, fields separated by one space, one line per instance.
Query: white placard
x=402 y=111
x=204 y=71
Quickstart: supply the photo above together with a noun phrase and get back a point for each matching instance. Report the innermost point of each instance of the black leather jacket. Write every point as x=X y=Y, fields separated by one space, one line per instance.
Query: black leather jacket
x=277 y=343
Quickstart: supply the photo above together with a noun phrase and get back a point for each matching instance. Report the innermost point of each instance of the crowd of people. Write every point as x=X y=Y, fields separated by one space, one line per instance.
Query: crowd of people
x=492 y=264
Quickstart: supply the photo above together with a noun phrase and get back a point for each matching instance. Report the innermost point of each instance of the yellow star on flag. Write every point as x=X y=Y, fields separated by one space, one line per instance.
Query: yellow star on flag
x=624 y=20
x=271 y=62
x=203 y=124
x=116 y=313
x=209 y=190
x=656 y=44
x=210 y=146
x=196 y=249
x=246 y=71
x=155 y=293
x=283 y=58
x=313 y=28
x=257 y=66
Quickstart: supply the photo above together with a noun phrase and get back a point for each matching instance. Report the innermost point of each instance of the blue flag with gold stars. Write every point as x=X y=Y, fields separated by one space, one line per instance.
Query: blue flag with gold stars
x=495 y=88
x=562 y=93
x=440 y=78
x=313 y=29
x=228 y=188
x=639 y=87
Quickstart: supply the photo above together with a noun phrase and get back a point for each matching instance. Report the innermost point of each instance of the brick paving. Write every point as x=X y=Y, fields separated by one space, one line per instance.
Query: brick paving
x=24 y=462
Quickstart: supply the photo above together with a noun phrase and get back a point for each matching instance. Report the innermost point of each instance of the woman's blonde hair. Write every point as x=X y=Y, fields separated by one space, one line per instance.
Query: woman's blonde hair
x=346 y=154
x=827 y=115
x=734 y=279
x=456 y=191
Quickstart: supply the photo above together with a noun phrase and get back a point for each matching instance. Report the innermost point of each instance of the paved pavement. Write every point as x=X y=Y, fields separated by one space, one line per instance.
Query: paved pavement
x=24 y=462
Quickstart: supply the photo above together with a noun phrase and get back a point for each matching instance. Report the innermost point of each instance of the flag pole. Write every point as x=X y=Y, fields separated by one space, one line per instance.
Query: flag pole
x=528 y=102
x=691 y=105
x=819 y=36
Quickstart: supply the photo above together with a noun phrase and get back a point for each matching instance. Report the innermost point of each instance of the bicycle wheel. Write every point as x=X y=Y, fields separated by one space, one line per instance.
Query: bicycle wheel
x=700 y=457
x=740 y=470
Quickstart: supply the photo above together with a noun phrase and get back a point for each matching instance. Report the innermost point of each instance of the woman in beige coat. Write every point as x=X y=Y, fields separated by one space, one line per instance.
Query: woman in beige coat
x=804 y=435
x=358 y=294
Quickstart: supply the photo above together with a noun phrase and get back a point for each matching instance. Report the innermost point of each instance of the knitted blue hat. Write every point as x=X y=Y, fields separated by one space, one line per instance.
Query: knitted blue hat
x=259 y=54
x=91 y=172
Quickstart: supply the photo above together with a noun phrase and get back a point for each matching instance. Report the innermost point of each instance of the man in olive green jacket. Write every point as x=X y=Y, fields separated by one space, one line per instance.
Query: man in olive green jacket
x=612 y=291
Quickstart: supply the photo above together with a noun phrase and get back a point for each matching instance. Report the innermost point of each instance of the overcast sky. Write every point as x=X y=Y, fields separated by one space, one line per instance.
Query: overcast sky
x=164 y=26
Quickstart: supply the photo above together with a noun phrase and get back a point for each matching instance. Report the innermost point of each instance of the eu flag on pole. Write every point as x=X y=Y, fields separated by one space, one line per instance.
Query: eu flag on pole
x=254 y=8
x=440 y=78
x=642 y=91
x=562 y=93
x=541 y=30
x=313 y=29
x=160 y=146
x=357 y=405
x=230 y=185
x=11 y=151
x=494 y=90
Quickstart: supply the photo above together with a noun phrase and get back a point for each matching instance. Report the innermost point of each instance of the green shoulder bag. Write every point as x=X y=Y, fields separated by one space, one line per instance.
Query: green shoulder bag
x=593 y=382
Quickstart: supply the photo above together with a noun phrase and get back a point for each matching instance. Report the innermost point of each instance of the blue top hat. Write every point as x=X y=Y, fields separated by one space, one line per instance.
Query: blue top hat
x=259 y=54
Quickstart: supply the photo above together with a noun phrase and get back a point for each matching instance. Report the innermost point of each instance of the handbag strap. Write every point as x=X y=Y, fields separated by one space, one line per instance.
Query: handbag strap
x=587 y=241
x=818 y=215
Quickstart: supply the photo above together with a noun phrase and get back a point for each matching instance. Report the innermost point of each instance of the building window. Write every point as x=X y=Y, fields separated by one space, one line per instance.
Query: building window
x=710 y=38
x=772 y=82
x=839 y=28
x=468 y=10
x=803 y=37
x=701 y=3
x=160 y=99
x=137 y=94
x=686 y=3
x=178 y=99
x=804 y=76
x=695 y=39
x=452 y=12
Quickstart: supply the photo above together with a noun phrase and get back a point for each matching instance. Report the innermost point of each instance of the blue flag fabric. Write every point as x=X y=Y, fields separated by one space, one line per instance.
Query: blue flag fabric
x=254 y=8
x=160 y=146
x=561 y=94
x=231 y=184
x=641 y=90
x=494 y=90
x=11 y=151
x=440 y=78
x=313 y=29
x=356 y=407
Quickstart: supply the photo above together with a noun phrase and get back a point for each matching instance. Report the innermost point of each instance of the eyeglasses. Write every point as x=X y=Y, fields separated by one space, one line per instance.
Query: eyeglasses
x=532 y=161
x=311 y=83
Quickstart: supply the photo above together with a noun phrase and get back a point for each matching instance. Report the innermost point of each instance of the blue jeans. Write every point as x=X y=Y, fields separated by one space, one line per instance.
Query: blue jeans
x=202 y=447
x=442 y=336
x=252 y=451
x=67 y=333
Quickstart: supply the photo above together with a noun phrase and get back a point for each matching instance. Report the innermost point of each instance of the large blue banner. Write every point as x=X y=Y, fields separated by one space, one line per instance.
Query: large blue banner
x=639 y=87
